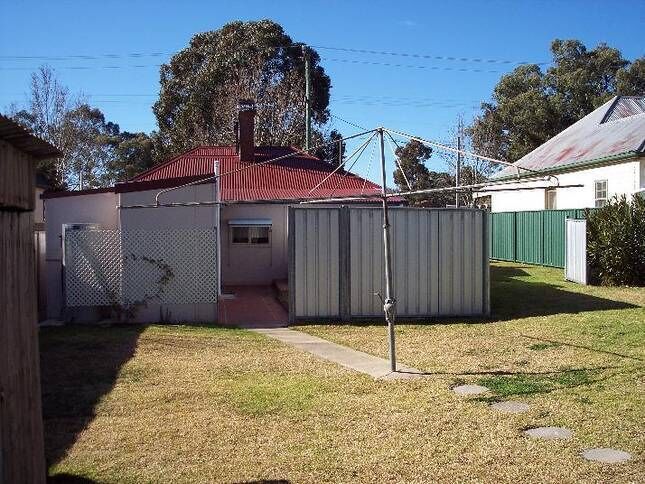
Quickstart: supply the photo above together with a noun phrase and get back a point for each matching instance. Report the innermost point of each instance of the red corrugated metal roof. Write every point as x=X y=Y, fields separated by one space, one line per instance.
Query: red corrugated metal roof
x=286 y=179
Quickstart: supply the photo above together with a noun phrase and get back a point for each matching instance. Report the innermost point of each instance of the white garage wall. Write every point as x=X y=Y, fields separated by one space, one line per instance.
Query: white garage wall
x=203 y=216
x=97 y=208
x=101 y=208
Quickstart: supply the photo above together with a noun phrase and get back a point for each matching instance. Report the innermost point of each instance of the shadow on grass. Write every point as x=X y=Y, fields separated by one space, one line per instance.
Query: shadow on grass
x=551 y=343
x=507 y=373
x=68 y=479
x=513 y=297
x=79 y=365
x=504 y=386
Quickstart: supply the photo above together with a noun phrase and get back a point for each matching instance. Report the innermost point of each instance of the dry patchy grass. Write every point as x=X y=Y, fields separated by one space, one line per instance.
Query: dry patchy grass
x=182 y=404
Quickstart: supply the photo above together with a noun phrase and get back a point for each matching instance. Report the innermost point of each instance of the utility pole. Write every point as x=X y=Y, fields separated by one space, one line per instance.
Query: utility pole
x=458 y=168
x=307 y=99
x=389 y=304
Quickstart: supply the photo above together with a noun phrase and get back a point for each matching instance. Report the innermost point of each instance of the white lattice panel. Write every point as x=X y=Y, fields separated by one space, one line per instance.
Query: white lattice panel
x=132 y=263
x=92 y=267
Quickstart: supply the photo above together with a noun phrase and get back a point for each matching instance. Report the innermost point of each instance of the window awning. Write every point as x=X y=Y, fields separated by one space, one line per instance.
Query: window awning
x=248 y=222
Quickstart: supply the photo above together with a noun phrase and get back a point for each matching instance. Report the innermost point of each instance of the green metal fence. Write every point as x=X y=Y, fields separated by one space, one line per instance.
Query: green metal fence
x=533 y=237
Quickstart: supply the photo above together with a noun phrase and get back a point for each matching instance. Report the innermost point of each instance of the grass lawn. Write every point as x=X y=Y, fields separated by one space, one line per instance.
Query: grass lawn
x=197 y=404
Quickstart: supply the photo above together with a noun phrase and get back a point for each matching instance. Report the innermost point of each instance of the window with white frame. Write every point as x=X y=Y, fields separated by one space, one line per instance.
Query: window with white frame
x=250 y=232
x=600 y=193
x=550 y=198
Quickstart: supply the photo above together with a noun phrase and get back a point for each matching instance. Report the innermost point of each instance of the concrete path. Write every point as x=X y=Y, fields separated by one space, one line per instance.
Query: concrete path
x=354 y=360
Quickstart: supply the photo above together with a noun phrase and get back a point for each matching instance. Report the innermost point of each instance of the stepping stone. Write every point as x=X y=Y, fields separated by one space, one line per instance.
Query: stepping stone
x=470 y=390
x=549 y=433
x=511 y=407
x=606 y=456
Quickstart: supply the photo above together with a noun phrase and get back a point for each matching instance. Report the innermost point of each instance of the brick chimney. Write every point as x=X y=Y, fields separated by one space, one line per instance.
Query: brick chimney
x=246 y=130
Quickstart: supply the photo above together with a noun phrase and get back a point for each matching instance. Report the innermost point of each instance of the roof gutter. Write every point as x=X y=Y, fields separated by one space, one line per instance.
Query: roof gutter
x=597 y=162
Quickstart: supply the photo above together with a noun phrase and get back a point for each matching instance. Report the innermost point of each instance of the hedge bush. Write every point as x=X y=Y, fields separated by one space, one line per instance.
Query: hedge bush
x=616 y=243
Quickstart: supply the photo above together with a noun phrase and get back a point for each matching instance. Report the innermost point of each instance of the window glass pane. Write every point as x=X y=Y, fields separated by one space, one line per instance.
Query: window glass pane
x=601 y=189
x=259 y=235
x=240 y=235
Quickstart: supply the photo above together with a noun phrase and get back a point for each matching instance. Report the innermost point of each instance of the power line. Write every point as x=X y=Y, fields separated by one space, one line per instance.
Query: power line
x=450 y=58
x=329 y=59
x=348 y=122
x=343 y=98
x=84 y=68
x=427 y=56
x=412 y=66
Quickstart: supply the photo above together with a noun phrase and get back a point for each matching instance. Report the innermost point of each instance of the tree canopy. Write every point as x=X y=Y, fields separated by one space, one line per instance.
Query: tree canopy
x=202 y=84
x=95 y=151
x=411 y=159
x=530 y=106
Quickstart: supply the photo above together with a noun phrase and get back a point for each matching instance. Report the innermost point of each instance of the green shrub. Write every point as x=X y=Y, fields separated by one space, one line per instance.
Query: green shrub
x=616 y=243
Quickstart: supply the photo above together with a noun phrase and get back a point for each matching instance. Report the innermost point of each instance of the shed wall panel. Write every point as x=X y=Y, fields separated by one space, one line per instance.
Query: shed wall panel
x=317 y=263
x=439 y=262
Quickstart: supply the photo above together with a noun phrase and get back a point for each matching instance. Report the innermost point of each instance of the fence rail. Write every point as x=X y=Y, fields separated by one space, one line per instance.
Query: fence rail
x=533 y=237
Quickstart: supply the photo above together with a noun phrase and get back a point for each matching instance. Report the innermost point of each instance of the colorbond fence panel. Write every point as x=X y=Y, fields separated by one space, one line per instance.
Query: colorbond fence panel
x=314 y=266
x=533 y=237
x=439 y=262
x=502 y=235
x=529 y=236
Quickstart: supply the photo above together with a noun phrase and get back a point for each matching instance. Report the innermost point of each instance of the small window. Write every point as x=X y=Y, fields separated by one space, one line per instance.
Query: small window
x=550 y=198
x=252 y=235
x=600 y=193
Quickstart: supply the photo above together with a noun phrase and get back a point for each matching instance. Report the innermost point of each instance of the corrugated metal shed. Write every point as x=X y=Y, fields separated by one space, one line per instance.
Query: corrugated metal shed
x=614 y=129
x=26 y=142
x=336 y=262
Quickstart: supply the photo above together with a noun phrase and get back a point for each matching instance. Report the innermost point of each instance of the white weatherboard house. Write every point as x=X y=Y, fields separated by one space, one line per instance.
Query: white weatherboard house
x=603 y=152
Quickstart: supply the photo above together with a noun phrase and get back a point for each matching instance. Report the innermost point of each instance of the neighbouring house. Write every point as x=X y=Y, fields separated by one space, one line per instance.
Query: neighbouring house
x=603 y=152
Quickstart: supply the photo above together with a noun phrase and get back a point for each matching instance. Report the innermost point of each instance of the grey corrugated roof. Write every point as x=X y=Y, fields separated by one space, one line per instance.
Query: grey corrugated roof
x=616 y=128
x=21 y=138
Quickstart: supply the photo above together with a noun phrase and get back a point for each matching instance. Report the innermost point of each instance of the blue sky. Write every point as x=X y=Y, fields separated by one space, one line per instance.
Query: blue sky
x=424 y=99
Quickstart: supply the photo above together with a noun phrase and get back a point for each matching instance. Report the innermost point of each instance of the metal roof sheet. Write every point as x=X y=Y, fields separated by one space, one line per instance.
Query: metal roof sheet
x=615 y=128
x=21 y=138
x=625 y=106
x=290 y=178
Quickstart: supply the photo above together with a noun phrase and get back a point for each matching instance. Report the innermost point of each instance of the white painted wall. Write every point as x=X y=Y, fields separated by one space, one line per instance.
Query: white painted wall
x=101 y=208
x=91 y=208
x=169 y=217
x=172 y=218
x=249 y=265
x=624 y=178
